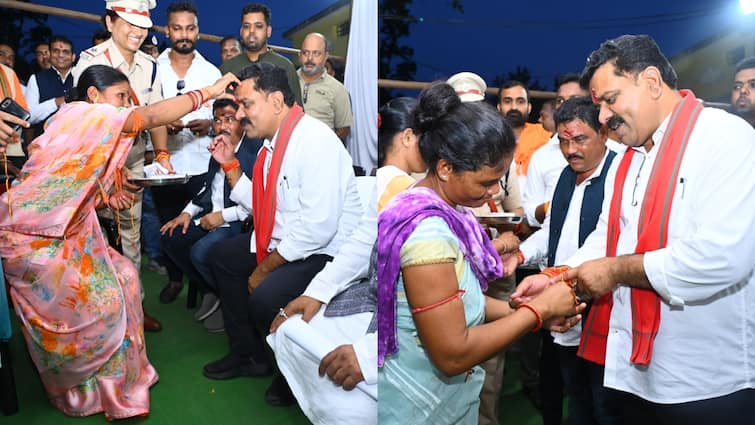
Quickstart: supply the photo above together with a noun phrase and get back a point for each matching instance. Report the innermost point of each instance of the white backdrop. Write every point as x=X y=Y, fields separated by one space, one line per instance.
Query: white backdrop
x=361 y=82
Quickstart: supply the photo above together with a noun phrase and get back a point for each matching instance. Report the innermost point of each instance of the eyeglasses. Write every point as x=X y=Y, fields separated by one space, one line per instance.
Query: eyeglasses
x=306 y=92
x=228 y=119
x=504 y=183
x=180 y=85
x=636 y=201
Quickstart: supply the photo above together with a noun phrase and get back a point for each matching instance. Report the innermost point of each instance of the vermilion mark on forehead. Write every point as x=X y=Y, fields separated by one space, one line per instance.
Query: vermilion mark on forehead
x=567 y=132
x=594 y=95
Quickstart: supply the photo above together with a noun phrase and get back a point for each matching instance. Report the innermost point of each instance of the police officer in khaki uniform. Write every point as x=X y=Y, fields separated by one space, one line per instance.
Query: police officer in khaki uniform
x=128 y=21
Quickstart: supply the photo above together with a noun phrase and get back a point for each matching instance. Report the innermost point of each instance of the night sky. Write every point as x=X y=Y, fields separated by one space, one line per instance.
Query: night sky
x=215 y=17
x=552 y=37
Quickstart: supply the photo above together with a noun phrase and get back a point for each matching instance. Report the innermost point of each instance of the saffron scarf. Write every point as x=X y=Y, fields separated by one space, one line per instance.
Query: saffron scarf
x=652 y=235
x=396 y=223
x=265 y=196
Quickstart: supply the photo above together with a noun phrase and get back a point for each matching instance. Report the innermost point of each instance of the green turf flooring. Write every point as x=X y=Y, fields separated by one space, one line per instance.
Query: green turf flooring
x=183 y=396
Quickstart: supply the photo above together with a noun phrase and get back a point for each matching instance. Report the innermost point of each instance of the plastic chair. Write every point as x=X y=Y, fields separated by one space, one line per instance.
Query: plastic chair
x=8 y=397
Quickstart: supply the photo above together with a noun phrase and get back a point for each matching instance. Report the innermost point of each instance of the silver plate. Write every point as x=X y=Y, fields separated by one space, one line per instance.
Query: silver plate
x=162 y=180
x=494 y=218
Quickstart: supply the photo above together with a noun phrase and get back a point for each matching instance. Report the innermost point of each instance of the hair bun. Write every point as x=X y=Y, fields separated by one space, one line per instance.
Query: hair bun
x=72 y=95
x=435 y=102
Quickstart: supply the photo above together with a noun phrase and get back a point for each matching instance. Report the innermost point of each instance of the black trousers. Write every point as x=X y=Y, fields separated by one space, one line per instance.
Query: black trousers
x=551 y=381
x=248 y=317
x=170 y=200
x=732 y=409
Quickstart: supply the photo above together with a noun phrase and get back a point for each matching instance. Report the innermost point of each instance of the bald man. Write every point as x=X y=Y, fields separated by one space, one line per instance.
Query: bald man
x=324 y=97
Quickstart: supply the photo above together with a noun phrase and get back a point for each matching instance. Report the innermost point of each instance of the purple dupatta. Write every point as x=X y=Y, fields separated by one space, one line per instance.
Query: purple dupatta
x=396 y=223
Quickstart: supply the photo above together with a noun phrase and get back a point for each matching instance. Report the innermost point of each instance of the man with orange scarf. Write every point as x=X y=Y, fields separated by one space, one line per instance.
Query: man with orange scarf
x=673 y=317
x=303 y=198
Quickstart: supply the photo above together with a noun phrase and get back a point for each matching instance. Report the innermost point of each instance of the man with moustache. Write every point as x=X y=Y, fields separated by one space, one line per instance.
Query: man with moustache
x=672 y=320
x=325 y=98
x=255 y=31
x=211 y=215
x=548 y=161
x=577 y=203
x=743 y=90
x=303 y=213
x=128 y=22
x=182 y=69
x=514 y=104
x=42 y=57
x=46 y=89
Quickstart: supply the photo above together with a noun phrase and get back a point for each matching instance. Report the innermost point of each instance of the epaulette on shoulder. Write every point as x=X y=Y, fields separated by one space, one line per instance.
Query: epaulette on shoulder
x=92 y=51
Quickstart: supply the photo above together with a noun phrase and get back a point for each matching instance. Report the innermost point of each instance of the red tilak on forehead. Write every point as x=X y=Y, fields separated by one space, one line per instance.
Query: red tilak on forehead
x=594 y=96
x=568 y=133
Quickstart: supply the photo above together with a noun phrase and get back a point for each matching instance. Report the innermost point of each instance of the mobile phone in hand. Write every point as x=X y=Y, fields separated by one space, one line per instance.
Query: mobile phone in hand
x=10 y=106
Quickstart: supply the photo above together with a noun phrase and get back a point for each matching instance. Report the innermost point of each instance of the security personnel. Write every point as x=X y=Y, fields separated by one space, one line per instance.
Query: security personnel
x=128 y=22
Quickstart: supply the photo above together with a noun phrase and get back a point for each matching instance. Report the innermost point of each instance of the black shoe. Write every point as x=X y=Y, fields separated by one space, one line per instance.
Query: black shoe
x=170 y=292
x=279 y=394
x=233 y=365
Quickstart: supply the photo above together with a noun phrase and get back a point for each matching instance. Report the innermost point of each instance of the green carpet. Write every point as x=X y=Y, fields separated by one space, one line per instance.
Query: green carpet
x=183 y=395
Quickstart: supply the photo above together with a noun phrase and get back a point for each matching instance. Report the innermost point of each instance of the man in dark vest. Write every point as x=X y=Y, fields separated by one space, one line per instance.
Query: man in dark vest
x=47 y=87
x=575 y=208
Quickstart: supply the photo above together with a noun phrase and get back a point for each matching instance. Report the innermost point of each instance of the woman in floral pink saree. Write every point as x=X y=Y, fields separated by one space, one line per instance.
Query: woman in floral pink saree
x=78 y=300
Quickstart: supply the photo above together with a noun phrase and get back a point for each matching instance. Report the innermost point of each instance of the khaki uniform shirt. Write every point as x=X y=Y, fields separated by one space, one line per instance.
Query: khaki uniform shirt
x=327 y=100
x=147 y=89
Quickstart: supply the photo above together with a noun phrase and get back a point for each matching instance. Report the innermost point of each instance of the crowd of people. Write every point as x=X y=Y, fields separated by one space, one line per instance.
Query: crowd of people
x=250 y=228
x=637 y=301
x=601 y=240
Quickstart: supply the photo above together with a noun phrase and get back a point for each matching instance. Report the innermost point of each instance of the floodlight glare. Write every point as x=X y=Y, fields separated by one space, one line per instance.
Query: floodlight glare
x=747 y=6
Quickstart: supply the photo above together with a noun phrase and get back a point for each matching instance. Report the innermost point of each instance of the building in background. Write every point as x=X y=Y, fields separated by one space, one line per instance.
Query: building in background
x=707 y=68
x=334 y=22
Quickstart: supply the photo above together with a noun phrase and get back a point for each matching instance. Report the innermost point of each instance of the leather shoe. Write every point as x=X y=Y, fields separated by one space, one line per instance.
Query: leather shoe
x=151 y=324
x=233 y=366
x=279 y=394
x=170 y=292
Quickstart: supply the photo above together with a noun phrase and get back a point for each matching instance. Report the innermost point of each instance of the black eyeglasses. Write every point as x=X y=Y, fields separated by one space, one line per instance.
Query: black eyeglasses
x=180 y=85
x=306 y=92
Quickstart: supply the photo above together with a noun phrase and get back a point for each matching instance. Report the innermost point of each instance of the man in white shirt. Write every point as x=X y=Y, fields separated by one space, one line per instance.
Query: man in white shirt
x=304 y=200
x=340 y=305
x=547 y=162
x=577 y=203
x=210 y=216
x=683 y=348
x=46 y=89
x=181 y=70
x=324 y=97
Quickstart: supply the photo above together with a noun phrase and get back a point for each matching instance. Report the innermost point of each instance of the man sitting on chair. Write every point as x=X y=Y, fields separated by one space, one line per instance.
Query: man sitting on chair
x=211 y=216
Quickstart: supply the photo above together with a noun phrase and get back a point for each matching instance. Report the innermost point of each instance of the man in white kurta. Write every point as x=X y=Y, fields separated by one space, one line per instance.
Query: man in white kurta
x=352 y=334
x=702 y=368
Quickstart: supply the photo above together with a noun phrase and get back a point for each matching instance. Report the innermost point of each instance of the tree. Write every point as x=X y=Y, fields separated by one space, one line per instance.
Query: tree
x=521 y=74
x=396 y=59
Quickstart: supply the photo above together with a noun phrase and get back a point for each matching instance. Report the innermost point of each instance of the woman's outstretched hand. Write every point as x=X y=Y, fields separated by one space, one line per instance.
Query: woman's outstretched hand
x=219 y=87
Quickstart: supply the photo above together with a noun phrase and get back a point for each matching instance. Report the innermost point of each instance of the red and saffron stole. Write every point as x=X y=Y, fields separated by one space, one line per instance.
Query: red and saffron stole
x=652 y=235
x=265 y=194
